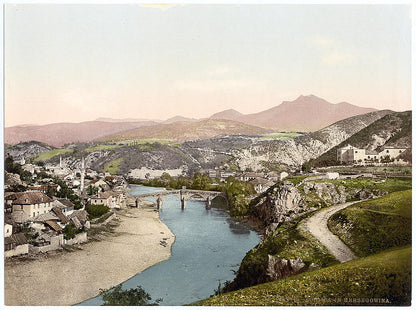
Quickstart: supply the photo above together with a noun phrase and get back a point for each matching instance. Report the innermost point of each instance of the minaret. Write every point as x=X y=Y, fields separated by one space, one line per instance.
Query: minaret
x=82 y=174
x=60 y=162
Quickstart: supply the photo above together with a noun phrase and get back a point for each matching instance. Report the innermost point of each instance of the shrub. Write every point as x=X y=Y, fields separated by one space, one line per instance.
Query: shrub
x=132 y=297
x=69 y=231
x=95 y=211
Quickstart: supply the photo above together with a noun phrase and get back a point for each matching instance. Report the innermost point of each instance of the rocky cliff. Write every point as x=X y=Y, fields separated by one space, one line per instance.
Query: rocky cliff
x=284 y=201
x=27 y=150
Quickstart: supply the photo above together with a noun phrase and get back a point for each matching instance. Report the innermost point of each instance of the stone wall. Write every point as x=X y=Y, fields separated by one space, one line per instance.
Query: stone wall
x=56 y=243
x=19 y=250
x=79 y=238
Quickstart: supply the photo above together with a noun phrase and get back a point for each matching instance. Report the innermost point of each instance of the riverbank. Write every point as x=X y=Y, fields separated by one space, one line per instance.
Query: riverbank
x=70 y=278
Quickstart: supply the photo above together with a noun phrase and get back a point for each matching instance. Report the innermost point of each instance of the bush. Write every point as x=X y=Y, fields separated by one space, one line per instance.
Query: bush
x=132 y=297
x=95 y=211
x=70 y=231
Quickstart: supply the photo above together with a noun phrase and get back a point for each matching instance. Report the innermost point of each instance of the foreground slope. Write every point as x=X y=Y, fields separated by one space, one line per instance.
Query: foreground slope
x=377 y=280
x=375 y=225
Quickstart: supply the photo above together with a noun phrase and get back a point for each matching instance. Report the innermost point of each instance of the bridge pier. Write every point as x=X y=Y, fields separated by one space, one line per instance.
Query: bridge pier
x=183 y=203
x=159 y=202
x=208 y=203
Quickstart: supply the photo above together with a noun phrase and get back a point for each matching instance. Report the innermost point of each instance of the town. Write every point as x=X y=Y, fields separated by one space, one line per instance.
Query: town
x=50 y=207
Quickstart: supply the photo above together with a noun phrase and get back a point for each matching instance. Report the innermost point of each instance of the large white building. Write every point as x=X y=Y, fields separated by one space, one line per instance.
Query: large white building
x=351 y=154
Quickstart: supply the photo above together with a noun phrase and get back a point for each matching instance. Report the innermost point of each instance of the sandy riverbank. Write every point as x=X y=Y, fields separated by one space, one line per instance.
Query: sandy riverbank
x=70 y=278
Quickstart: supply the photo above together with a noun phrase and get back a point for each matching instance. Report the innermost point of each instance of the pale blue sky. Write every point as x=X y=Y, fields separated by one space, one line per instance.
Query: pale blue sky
x=80 y=62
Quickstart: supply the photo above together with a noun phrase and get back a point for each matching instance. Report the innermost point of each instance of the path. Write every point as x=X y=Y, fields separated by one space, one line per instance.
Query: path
x=317 y=225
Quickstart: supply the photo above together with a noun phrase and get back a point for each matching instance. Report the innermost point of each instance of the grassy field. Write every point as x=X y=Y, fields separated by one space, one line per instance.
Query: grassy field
x=280 y=135
x=148 y=141
x=296 y=179
x=374 y=184
x=102 y=147
x=50 y=154
x=114 y=166
x=377 y=280
x=288 y=242
x=372 y=226
x=405 y=170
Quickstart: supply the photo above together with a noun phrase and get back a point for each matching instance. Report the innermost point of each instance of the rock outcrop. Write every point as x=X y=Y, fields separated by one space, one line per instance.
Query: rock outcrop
x=279 y=268
x=282 y=203
x=328 y=192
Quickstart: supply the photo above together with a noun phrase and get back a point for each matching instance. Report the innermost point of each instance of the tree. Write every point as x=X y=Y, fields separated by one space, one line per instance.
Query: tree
x=92 y=190
x=307 y=167
x=200 y=181
x=132 y=297
x=69 y=231
x=9 y=164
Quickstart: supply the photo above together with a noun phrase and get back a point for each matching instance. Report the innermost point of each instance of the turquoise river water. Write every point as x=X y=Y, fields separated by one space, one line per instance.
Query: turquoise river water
x=209 y=246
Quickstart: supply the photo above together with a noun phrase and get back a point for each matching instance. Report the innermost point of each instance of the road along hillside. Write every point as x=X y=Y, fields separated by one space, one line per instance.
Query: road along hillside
x=318 y=227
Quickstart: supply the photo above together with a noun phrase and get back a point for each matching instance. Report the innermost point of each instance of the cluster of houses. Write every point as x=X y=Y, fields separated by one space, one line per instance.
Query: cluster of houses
x=35 y=220
x=45 y=217
x=350 y=154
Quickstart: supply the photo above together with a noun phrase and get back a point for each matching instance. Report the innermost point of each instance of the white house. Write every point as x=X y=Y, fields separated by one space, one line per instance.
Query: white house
x=31 y=203
x=8 y=229
x=351 y=154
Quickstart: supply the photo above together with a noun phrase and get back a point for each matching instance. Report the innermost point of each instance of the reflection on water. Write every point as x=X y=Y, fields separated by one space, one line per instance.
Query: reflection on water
x=208 y=248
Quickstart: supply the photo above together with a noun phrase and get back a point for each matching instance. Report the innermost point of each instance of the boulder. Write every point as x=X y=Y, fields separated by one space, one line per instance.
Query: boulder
x=279 y=268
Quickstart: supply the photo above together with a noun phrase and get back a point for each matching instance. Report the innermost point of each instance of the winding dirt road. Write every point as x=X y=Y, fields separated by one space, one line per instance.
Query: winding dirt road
x=317 y=225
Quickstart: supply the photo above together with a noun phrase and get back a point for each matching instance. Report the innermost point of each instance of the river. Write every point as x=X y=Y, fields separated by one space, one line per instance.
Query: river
x=209 y=246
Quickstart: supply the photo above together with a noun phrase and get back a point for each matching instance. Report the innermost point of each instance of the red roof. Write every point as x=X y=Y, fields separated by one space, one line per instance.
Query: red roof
x=66 y=202
x=28 y=198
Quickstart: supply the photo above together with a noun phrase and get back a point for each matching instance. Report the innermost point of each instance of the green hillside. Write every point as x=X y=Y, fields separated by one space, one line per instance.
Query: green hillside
x=286 y=242
x=378 y=280
x=375 y=225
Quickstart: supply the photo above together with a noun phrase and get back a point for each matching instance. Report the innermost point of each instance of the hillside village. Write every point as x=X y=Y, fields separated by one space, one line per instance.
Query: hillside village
x=39 y=219
x=49 y=210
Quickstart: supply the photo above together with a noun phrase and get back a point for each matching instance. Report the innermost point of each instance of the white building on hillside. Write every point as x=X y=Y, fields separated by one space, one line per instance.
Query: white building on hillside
x=351 y=154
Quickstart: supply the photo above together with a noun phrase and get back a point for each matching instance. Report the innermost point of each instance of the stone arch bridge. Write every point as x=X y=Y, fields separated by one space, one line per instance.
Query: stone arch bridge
x=183 y=194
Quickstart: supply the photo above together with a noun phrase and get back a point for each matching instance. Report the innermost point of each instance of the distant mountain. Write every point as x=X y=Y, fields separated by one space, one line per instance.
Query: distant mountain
x=229 y=114
x=125 y=120
x=210 y=143
x=60 y=134
x=306 y=113
x=179 y=118
x=185 y=131
x=392 y=130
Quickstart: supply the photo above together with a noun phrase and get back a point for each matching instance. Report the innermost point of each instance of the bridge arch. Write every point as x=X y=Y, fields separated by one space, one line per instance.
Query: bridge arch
x=220 y=199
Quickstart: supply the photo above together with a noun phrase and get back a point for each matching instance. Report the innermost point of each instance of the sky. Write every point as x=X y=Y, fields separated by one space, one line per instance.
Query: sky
x=73 y=63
